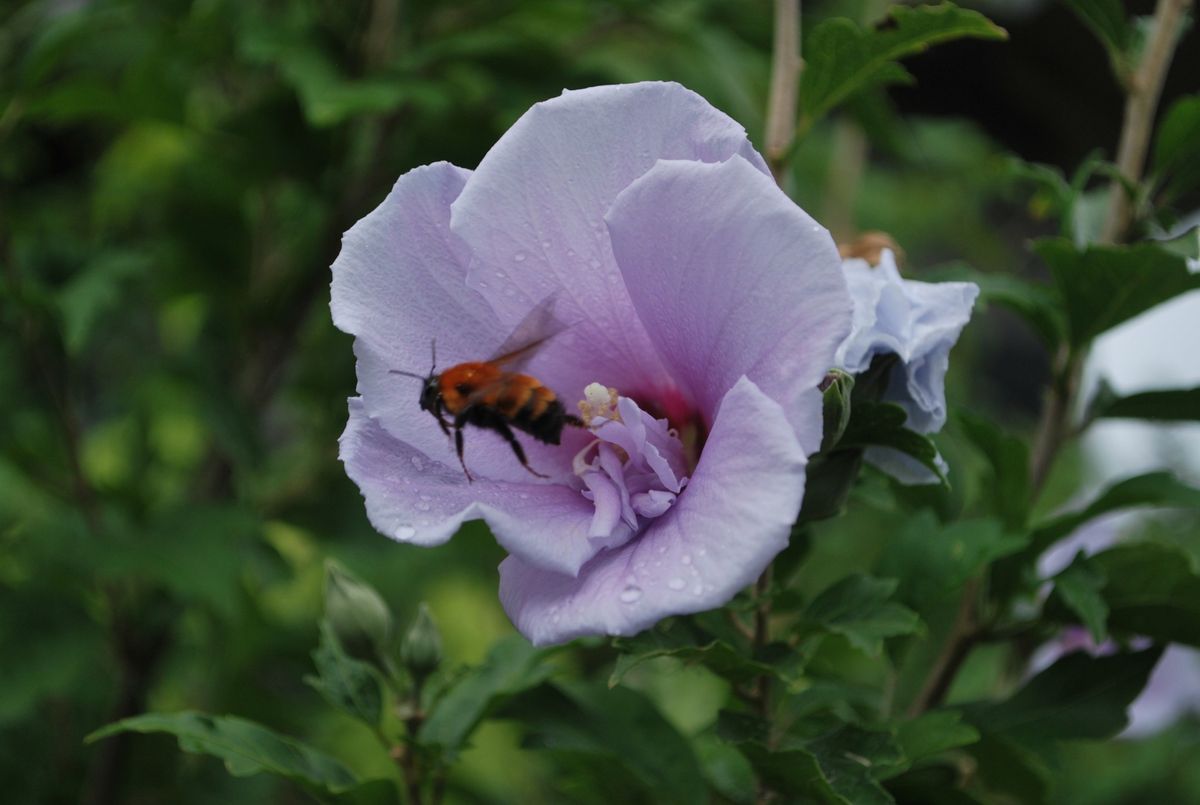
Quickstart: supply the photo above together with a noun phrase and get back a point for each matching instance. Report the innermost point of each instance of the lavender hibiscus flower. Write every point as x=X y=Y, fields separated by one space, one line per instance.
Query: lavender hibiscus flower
x=704 y=309
x=919 y=322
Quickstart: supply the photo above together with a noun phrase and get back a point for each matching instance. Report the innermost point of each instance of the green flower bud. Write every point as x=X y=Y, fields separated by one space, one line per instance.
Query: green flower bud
x=358 y=616
x=836 y=388
x=421 y=649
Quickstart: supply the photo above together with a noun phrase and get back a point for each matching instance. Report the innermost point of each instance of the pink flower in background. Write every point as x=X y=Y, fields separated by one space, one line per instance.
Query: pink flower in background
x=694 y=289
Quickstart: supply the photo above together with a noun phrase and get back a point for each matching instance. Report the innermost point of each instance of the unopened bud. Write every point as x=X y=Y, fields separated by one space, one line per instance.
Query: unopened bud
x=836 y=388
x=358 y=616
x=421 y=649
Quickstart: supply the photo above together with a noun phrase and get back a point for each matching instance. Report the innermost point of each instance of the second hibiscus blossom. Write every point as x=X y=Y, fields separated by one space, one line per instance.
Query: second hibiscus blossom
x=704 y=308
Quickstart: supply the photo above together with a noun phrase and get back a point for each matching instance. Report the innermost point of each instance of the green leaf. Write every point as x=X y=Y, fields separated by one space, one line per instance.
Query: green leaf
x=1078 y=587
x=94 y=292
x=372 y=792
x=1079 y=697
x=793 y=771
x=511 y=666
x=247 y=748
x=1186 y=245
x=1152 y=489
x=1103 y=286
x=830 y=479
x=842 y=60
x=618 y=723
x=933 y=733
x=1166 y=405
x=1010 y=767
x=1006 y=486
x=725 y=768
x=851 y=758
x=838 y=766
x=684 y=640
x=347 y=683
x=1107 y=20
x=1035 y=303
x=877 y=424
x=1153 y=590
x=857 y=607
x=1177 y=148
x=933 y=561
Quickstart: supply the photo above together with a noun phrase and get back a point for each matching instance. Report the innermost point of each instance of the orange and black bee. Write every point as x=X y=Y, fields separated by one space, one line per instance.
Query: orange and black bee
x=492 y=394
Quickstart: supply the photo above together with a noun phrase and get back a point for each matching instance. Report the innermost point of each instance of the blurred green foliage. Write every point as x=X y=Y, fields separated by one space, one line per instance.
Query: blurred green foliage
x=174 y=181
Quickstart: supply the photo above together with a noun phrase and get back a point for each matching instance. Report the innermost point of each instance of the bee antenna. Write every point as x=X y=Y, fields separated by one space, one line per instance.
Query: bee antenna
x=406 y=374
x=433 y=349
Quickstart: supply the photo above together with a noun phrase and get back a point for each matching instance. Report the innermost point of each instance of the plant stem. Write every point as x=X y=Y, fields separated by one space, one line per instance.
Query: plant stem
x=760 y=698
x=785 y=81
x=1142 y=96
x=1053 y=427
x=963 y=636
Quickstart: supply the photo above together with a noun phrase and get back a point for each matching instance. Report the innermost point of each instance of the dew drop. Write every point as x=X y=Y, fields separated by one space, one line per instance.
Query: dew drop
x=698 y=589
x=519 y=257
x=703 y=551
x=418 y=464
x=676 y=583
x=405 y=532
x=594 y=263
x=500 y=275
x=631 y=593
x=545 y=244
x=423 y=506
x=687 y=559
x=524 y=496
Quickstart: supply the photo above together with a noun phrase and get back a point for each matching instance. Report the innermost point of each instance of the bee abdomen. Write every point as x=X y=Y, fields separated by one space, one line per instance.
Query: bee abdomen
x=542 y=416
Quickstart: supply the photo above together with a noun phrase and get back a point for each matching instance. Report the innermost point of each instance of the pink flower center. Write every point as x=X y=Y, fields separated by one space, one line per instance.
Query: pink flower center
x=632 y=471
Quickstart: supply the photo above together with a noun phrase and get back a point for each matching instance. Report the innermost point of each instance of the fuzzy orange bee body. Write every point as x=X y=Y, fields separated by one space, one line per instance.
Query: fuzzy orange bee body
x=488 y=395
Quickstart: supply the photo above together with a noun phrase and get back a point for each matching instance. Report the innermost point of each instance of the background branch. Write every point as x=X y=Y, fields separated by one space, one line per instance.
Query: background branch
x=785 y=81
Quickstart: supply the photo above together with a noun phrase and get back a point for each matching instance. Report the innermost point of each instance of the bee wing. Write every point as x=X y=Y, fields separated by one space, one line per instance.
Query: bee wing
x=538 y=327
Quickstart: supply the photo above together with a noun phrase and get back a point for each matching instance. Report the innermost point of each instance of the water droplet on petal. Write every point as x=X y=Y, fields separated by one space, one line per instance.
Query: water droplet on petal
x=687 y=559
x=519 y=257
x=423 y=506
x=418 y=464
x=524 y=496
x=676 y=583
x=545 y=244
x=405 y=532
x=631 y=593
x=698 y=589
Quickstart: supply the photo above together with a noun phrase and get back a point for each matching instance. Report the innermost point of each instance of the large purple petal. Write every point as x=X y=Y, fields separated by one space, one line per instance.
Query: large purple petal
x=400 y=281
x=533 y=217
x=731 y=278
x=733 y=517
x=413 y=498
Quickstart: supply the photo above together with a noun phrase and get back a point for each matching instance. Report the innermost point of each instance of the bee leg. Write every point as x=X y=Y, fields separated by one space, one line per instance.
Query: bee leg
x=459 y=421
x=504 y=430
x=443 y=424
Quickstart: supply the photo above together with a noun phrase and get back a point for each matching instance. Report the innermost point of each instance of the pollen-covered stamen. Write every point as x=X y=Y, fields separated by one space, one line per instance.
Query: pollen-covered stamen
x=632 y=471
x=599 y=402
